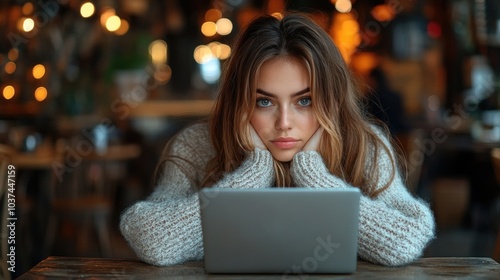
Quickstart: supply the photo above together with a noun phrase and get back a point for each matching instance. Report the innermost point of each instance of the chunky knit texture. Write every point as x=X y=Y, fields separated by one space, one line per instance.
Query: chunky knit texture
x=165 y=229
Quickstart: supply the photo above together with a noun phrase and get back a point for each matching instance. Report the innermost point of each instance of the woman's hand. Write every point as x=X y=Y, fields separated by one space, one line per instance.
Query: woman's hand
x=313 y=143
x=257 y=142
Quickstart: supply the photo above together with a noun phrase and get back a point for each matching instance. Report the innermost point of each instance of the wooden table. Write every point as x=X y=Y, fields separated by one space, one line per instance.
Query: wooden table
x=94 y=268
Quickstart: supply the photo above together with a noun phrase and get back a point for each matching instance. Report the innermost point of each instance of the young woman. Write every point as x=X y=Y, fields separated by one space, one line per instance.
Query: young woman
x=287 y=115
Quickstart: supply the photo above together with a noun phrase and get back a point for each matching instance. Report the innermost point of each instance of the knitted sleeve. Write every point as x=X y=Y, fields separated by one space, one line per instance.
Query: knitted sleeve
x=165 y=229
x=394 y=228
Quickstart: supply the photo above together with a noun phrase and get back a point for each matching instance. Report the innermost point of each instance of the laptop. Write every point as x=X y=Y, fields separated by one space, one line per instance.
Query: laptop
x=280 y=230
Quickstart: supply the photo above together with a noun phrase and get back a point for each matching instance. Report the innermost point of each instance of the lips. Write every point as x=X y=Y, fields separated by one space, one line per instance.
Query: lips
x=285 y=142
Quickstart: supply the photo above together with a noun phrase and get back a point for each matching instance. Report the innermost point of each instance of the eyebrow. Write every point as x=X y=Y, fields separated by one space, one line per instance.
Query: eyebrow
x=263 y=92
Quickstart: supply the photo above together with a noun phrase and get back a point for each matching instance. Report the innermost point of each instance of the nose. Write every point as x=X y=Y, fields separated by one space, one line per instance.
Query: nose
x=285 y=119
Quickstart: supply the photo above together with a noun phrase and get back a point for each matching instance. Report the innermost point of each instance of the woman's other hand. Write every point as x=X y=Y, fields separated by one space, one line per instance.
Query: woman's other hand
x=313 y=143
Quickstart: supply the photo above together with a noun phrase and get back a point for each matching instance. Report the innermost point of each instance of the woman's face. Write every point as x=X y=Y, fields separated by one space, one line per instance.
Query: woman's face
x=283 y=116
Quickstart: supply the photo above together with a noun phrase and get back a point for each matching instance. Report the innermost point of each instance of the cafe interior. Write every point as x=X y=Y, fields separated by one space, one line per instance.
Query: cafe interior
x=91 y=91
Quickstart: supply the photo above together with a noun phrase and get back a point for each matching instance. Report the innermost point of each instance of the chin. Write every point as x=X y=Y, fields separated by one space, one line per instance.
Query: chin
x=284 y=156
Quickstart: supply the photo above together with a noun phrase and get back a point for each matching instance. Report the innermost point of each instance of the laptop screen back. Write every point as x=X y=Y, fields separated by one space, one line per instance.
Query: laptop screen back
x=280 y=230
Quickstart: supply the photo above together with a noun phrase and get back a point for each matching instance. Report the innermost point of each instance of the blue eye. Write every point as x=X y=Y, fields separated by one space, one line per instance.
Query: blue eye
x=263 y=102
x=306 y=101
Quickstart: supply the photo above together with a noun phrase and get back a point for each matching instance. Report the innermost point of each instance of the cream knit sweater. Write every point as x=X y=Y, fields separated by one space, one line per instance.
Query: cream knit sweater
x=165 y=229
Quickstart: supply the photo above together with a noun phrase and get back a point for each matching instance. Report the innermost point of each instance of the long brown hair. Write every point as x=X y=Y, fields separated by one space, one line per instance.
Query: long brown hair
x=348 y=141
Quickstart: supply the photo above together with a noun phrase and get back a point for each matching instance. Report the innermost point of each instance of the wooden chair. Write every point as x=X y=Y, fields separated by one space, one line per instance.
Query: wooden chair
x=495 y=157
x=5 y=155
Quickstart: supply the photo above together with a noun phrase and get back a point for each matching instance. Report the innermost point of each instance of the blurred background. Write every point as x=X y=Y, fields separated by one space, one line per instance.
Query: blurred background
x=90 y=92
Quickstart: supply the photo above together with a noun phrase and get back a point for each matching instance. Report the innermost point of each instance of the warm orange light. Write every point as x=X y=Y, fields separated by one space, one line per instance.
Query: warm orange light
x=383 y=13
x=202 y=54
x=343 y=6
x=13 y=54
x=124 y=26
x=209 y=28
x=364 y=62
x=163 y=73
x=28 y=24
x=27 y=8
x=8 y=92
x=40 y=94
x=38 y=71
x=10 y=67
x=87 y=10
x=215 y=48
x=224 y=26
x=106 y=14
x=218 y=50
x=113 y=23
x=345 y=33
x=213 y=15
x=158 y=52
x=225 y=51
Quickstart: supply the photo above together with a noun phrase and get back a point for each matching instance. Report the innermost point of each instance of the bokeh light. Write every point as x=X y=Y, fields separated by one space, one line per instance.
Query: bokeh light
x=113 y=23
x=107 y=12
x=124 y=26
x=210 y=70
x=28 y=24
x=8 y=92
x=343 y=6
x=40 y=94
x=213 y=15
x=10 y=67
x=224 y=26
x=209 y=28
x=383 y=13
x=225 y=51
x=28 y=8
x=202 y=54
x=87 y=9
x=158 y=52
x=13 y=54
x=38 y=71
